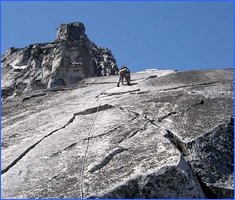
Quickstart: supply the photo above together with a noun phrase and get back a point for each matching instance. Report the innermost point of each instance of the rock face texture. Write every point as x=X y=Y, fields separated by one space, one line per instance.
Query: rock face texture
x=168 y=135
x=66 y=61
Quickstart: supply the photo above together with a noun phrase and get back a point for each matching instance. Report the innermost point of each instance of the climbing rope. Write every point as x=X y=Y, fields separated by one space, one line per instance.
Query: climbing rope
x=86 y=150
x=87 y=145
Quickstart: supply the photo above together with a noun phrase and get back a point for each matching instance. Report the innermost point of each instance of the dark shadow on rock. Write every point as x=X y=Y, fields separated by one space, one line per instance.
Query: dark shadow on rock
x=133 y=84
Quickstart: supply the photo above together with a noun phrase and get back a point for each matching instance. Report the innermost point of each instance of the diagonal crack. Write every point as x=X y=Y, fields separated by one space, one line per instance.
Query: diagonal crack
x=125 y=110
x=201 y=102
x=117 y=93
x=193 y=85
x=85 y=112
x=94 y=110
x=32 y=146
x=177 y=142
x=141 y=92
x=100 y=135
x=134 y=133
x=33 y=96
x=70 y=146
x=152 y=121
x=196 y=104
x=172 y=137
x=167 y=115
x=149 y=77
x=184 y=148
x=65 y=149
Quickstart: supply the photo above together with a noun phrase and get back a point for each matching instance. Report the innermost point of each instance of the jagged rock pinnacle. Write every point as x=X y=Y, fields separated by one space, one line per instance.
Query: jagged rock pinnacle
x=68 y=60
x=71 y=31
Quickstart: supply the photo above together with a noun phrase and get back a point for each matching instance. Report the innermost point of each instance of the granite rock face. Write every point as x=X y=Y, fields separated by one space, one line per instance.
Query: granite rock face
x=168 y=135
x=66 y=61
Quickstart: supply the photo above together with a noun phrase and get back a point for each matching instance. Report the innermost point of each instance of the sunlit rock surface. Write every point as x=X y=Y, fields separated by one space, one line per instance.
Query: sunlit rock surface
x=66 y=61
x=168 y=135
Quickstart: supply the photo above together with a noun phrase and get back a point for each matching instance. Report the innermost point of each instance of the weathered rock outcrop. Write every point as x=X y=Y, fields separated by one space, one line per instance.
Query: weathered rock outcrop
x=64 y=62
x=169 y=135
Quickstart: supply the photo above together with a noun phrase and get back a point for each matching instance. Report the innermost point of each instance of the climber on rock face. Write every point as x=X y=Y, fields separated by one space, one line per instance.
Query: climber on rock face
x=124 y=72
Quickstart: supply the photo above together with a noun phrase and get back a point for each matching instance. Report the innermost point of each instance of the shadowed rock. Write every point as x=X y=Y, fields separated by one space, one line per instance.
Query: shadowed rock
x=211 y=159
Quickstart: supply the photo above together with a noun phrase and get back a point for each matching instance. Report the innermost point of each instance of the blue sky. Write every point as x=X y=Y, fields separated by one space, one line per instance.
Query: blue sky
x=179 y=35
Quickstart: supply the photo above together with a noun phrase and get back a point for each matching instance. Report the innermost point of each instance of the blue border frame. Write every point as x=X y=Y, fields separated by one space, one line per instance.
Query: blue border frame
x=95 y=1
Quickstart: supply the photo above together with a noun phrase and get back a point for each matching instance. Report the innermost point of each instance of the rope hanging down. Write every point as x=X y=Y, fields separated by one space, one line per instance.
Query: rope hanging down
x=87 y=146
x=86 y=150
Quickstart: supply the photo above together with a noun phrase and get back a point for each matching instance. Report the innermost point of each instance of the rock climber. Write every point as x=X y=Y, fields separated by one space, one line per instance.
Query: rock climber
x=124 y=72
